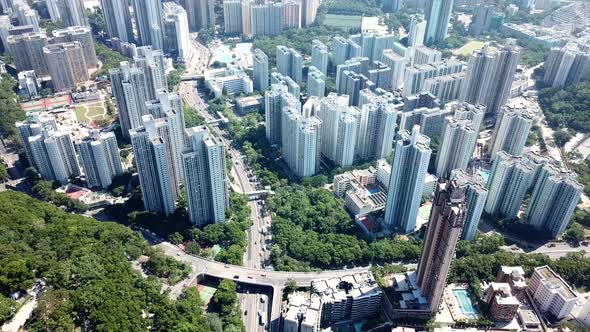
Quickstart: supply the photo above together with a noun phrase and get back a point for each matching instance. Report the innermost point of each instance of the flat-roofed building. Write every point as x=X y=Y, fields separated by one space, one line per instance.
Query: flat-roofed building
x=553 y=294
x=503 y=305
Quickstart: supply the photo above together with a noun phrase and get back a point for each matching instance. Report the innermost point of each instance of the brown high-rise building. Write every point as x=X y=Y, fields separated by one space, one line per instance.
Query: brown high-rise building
x=291 y=14
x=81 y=34
x=444 y=229
x=66 y=64
x=200 y=13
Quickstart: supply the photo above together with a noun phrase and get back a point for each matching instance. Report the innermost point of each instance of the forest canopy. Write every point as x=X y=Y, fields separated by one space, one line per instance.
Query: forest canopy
x=567 y=108
x=85 y=264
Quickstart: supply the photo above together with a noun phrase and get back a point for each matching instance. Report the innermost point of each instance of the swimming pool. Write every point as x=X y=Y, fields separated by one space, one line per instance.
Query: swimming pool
x=373 y=190
x=465 y=303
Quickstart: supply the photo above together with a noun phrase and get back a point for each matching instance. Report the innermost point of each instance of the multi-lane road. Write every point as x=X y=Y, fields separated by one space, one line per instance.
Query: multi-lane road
x=256 y=300
x=274 y=280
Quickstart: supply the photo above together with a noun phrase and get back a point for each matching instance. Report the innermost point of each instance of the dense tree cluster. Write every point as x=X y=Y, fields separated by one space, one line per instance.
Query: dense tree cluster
x=250 y=136
x=90 y=281
x=353 y=7
x=582 y=217
x=96 y=21
x=230 y=236
x=299 y=39
x=46 y=190
x=481 y=260
x=192 y=117
x=7 y=308
x=533 y=53
x=165 y=267
x=400 y=19
x=173 y=77
x=3 y=171
x=582 y=169
x=10 y=112
x=225 y=303
x=110 y=59
x=312 y=230
x=567 y=108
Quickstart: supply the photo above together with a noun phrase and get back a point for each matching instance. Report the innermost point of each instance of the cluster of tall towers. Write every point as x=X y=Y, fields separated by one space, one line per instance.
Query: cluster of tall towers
x=167 y=154
x=267 y=18
x=161 y=25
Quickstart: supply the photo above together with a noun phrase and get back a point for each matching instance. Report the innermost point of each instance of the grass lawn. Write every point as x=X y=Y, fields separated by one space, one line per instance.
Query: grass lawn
x=206 y=291
x=468 y=48
x=344 y=22
x=81 y=113
x=87 y=113
x=95 y=110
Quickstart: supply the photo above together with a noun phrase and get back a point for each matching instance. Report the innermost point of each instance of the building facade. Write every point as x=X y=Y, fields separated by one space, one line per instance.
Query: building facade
x=510 y=178
x=100 y=158
x=490 y=74
x=410 y=164
x=512 y=130
x=206 y=177
x=444 y=229
x=260 y=70
x=554 y=198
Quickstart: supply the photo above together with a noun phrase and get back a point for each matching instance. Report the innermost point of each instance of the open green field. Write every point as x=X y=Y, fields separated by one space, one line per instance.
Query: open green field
x=344 y=22
x=90 y=112
x=468 y=48
x=206 y=291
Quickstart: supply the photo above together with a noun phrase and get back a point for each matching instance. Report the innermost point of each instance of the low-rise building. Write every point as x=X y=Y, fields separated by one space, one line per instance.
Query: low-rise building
x=552 y=293
x=528 y=319
x=383 y=173
x=249 y=104
x=514 y=276
x=229 y=81
x=352 y=297
x=584 y=314
x=362 y=195
x=503 y=305
x=302 y=313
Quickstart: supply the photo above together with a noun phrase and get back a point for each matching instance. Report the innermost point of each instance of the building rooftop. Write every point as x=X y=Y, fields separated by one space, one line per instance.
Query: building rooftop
x=353 y=285
x=556 y=283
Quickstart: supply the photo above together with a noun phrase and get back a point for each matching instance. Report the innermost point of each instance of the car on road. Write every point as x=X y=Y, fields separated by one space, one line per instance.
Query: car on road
x=262 y=300
x=226 y=266
x=236 y=277
x=245 y=312
x=250 y=277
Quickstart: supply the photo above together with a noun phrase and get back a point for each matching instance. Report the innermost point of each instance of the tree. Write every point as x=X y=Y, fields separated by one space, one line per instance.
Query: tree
x=110 y=59
x=215 y=322
x=7 y=309
x=10 y=112
x=176 y=238
x=575 y=233
x=191 y=116
x=290 y=286
x=225 y=298
x=96 y=20
x=165 y=267
x=561 y=137
x=3 y=171
x=567 y=108
x=174 y=78
x=90 y=281
x=312 y=229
